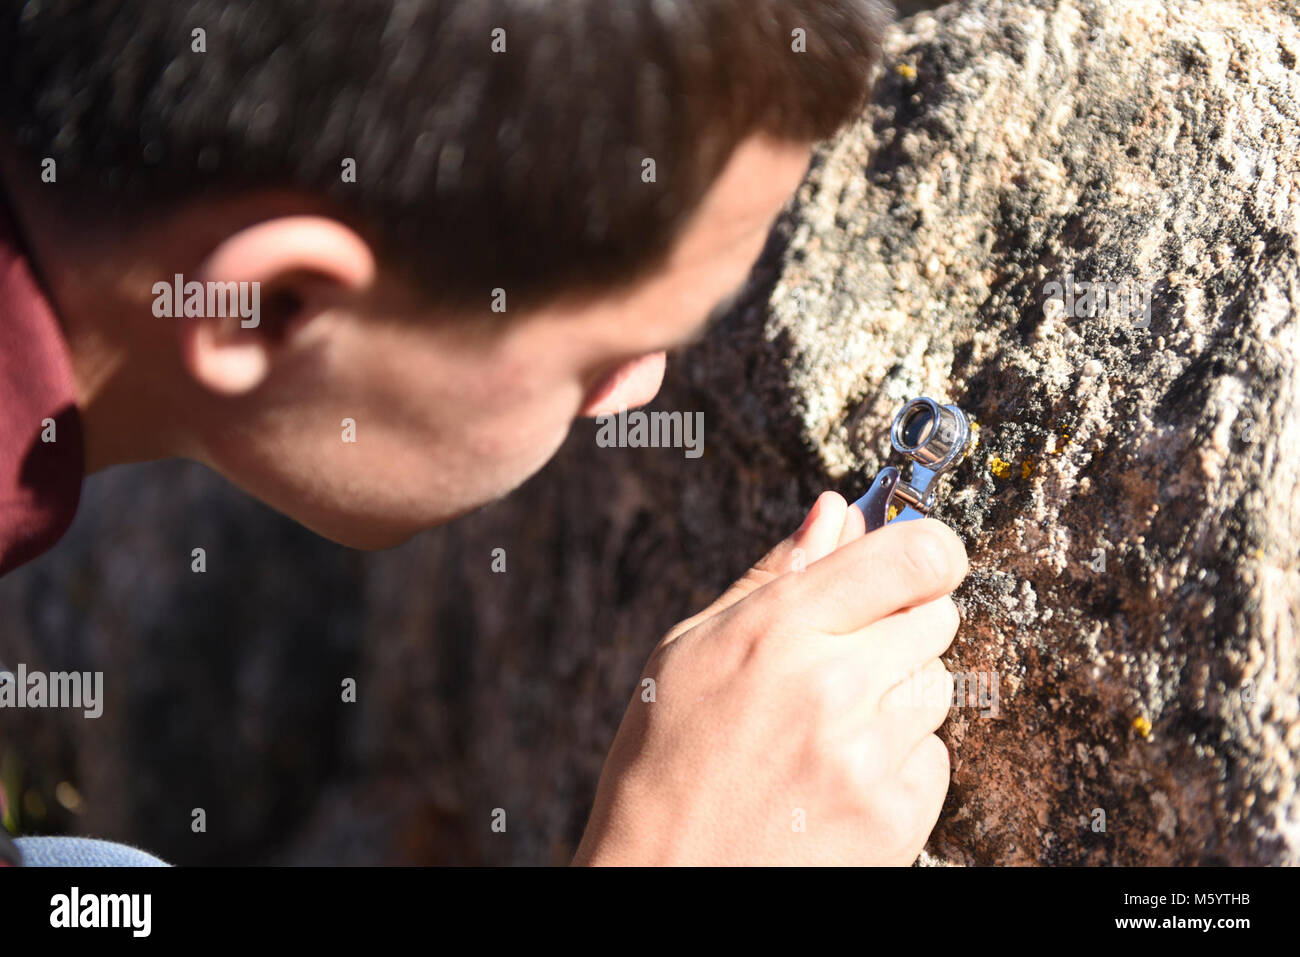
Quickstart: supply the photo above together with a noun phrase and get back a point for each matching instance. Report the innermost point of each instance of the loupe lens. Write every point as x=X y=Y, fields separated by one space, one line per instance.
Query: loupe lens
x=916 y=427
x=934 y=436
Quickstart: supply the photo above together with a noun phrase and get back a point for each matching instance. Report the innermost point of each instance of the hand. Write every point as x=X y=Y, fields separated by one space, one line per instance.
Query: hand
x=792 y=721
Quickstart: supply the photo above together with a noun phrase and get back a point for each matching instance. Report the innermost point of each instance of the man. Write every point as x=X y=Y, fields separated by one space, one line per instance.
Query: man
x=455 y=226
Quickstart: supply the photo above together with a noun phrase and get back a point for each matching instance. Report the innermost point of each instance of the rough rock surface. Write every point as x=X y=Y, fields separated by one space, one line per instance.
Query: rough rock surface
x=1130 y=511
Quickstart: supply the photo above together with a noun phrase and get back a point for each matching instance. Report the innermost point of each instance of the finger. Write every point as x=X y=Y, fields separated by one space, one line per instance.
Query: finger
x=823 y=521
x=925 y=696
x=895 y=665
x=890 y=736
x=925 y=777
x=926 y=774
x=855 y=526
x=822 y=535
x=907 y=640
x=813 y=540
x=884 y=571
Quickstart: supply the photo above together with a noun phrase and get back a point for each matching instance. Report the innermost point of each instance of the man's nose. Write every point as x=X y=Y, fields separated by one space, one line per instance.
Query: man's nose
x=630 y=385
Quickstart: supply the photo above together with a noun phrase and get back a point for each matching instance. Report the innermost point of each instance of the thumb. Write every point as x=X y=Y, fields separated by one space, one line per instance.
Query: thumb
x=818 y=536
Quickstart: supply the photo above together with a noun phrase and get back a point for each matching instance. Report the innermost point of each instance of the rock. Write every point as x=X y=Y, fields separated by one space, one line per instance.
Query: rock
x=1135 y=581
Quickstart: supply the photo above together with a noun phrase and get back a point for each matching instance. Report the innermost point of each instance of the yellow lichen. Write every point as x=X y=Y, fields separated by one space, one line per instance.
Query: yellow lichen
x=974 y=436
x=892 y=513
x=906 y=71
x=1027 y=467
x=999 y=467
x=1142 y=726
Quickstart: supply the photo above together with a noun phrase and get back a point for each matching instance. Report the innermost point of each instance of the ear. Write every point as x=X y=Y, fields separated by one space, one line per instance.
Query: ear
x=279 y=266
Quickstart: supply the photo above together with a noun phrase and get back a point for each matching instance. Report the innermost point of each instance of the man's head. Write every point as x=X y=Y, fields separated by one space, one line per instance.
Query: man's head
x=394 y=174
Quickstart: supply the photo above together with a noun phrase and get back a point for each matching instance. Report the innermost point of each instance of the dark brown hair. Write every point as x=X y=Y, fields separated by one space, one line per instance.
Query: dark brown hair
x=475 y=167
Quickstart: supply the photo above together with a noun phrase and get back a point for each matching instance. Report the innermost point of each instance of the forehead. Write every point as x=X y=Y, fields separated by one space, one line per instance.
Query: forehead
x=713 y=254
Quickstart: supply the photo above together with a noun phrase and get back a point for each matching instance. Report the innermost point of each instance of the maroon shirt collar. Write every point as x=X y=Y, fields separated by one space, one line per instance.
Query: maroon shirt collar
x=40 y=480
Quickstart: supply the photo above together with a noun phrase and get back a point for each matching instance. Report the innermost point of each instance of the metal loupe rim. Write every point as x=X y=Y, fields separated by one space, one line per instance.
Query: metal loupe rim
x=961 y=440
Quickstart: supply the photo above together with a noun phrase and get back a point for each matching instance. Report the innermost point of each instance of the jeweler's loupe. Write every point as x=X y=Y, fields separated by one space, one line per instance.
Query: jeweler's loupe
x=936 y=438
